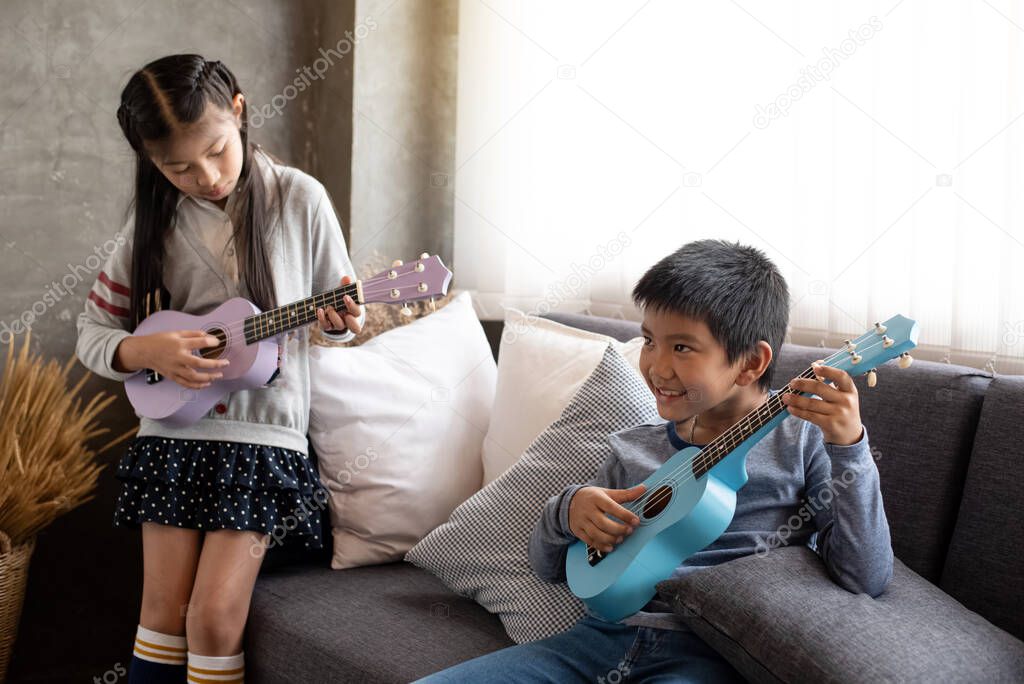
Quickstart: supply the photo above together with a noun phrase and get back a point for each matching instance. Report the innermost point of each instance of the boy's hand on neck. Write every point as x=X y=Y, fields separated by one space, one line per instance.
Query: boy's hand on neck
x=837 y=413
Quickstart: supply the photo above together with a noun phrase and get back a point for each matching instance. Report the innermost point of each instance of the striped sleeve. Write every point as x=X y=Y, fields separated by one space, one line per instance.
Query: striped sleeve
x=104 y=322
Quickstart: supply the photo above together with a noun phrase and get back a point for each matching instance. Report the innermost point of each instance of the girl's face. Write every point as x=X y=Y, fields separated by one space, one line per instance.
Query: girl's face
x=204 y=159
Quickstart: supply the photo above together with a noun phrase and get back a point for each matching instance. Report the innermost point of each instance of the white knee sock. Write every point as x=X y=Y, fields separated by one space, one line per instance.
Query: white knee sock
x=165 y=649
x=216 y=669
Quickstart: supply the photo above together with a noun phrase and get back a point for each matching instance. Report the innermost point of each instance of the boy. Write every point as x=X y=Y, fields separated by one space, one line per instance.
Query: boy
x=714 y=318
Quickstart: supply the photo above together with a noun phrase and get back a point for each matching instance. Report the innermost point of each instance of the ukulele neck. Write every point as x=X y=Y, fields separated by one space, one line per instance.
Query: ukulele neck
x=717 y=449
x=297 y=314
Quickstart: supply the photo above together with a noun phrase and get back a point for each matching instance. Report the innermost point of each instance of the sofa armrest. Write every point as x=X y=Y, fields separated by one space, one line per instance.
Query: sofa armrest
x=779 y=617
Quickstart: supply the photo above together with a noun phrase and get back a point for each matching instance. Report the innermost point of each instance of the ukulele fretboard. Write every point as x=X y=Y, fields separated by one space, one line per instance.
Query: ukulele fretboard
x=276 y=321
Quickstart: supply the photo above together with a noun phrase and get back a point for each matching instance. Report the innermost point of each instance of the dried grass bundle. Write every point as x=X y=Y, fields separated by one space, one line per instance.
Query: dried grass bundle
x=380 y=318
x=46 y=466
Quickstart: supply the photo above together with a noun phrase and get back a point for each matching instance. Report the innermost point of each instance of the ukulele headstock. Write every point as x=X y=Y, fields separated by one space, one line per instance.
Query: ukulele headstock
x=889 y=339
x=424 y=278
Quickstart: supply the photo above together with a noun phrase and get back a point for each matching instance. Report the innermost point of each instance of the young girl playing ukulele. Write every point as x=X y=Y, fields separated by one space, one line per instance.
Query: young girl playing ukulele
x=213 y=217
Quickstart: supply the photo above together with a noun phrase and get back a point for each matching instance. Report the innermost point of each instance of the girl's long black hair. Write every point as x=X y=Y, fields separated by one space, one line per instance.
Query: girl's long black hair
x=160 y=98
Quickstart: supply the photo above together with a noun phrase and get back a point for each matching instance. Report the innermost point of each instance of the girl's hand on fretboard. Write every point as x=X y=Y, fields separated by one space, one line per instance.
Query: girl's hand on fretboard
x=333 y=322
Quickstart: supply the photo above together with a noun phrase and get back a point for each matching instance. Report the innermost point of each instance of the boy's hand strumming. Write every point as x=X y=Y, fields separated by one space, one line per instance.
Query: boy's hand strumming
x=588 y=518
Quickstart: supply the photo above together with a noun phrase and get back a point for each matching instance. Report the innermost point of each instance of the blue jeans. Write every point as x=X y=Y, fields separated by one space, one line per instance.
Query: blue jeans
x=600 y=652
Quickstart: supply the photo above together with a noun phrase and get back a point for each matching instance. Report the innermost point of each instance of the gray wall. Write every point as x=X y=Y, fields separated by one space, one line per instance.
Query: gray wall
x=403 y=145
x=64 y=185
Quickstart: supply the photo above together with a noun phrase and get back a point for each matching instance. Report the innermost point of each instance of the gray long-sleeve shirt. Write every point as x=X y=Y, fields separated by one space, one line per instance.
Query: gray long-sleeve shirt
x=307 y=255
x=800 y=490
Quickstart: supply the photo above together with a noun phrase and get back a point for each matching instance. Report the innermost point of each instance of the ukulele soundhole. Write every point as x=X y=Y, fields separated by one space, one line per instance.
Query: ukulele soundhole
x=657 y=501
x=215 y=352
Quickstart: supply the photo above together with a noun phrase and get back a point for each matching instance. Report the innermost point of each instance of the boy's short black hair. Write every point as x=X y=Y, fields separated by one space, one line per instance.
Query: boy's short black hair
x=734 y=289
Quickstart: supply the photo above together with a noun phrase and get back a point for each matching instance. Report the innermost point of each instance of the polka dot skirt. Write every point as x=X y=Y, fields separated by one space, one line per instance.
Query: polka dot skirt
x=212 y=485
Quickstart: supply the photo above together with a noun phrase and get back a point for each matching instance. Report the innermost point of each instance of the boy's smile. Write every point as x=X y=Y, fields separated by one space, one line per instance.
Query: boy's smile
x=688 y=372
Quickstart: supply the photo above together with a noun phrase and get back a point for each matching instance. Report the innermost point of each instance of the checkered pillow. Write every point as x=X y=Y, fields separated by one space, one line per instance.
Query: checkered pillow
x=481 y=552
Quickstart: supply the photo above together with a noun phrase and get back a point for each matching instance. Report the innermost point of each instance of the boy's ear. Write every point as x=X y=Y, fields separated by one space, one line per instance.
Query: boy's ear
x=756 y=364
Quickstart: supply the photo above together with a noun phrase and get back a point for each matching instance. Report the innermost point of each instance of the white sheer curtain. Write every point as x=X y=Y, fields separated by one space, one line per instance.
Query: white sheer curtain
x=871 y=149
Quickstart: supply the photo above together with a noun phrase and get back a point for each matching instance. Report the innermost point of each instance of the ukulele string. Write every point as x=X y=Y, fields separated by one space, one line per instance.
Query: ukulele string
x=349 y=289
x=333 y=299
x=238 y=327
x=643 y=501
x=702 y=459
x=789 y=390
x=655 y=495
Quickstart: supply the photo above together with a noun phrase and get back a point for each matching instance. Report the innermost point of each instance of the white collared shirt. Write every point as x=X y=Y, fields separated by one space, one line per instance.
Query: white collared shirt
x=214 y=228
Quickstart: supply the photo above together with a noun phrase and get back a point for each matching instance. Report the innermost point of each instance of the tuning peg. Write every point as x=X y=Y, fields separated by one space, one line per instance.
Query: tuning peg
x=424 y=256
x=855 y=358
x=905 y=360
x=406 y=311
x=433 y=305
x=872 y=378
x=392 y=274
x=397 y=262
x=850 y=346
x=879 y=328
x=887 y=341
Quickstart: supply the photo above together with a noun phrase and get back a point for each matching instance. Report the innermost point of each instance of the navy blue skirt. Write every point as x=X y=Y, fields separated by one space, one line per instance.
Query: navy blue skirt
x=213 y=485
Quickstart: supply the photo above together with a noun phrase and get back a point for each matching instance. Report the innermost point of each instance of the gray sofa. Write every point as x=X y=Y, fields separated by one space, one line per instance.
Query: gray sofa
x=947 y=439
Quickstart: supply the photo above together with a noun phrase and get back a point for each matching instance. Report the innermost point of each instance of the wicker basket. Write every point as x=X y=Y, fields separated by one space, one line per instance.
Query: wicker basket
x=13 y=578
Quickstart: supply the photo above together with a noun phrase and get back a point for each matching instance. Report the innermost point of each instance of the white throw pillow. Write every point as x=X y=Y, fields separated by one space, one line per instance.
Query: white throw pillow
x=481 y=552
x=541 y=365
x=398 y=424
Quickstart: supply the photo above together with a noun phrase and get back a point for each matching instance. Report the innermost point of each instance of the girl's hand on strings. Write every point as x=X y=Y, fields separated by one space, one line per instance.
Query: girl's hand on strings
x=334 y=322
x=179 y=355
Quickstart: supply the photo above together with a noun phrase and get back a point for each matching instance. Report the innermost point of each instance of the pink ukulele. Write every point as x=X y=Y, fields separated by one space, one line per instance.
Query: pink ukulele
x=248 y=337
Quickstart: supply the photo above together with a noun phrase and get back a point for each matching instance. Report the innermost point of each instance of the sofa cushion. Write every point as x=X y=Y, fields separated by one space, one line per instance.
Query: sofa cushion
x=542 y=364
x=398 y=423
x=620 y=329
x=922 y=421
x=780 y=618
x=985 y=568
x=482 y=551
x=378 y=623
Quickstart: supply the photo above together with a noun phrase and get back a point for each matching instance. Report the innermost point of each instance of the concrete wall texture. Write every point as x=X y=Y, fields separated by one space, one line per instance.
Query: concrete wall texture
x=373 y=120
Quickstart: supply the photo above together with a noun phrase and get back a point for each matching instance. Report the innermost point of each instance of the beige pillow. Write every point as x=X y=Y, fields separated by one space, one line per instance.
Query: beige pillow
x=541 y=364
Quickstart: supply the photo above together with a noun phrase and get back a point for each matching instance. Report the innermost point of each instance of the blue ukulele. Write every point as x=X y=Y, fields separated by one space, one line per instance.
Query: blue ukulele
x=690 y=500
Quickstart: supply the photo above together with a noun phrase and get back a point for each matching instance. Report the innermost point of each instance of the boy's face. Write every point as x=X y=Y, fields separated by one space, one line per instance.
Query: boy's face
x=205 y=158
x=686 y=368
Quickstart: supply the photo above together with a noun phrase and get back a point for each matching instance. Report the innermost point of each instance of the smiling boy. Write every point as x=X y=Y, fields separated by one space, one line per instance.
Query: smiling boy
x=714 y=318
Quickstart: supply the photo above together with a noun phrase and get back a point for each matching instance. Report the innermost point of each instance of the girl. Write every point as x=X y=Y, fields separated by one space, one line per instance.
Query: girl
x=213 y=217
